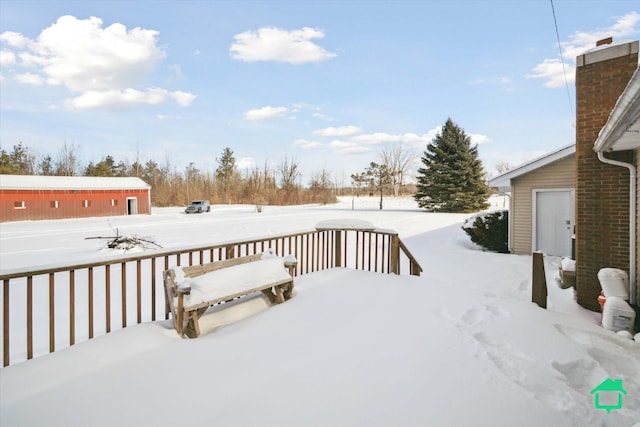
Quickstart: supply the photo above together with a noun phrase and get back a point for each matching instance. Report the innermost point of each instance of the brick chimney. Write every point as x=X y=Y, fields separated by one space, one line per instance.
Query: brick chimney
x=602 y=190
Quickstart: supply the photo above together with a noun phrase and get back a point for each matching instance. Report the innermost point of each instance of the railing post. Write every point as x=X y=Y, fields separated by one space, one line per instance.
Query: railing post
x=394 y=253
x=338 y=248
x=539 y=281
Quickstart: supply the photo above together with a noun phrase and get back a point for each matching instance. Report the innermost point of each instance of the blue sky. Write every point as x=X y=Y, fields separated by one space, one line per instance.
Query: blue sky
x=328 y=83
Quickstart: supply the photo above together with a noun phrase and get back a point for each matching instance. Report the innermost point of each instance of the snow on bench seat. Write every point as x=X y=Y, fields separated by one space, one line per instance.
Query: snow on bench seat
x=231 y=282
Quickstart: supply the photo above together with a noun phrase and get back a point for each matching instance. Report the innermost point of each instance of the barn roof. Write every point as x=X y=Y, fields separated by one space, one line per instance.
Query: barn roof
x=40 y=182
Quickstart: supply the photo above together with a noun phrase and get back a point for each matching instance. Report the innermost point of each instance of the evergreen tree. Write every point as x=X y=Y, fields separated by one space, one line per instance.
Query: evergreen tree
x=452 y=179
x=380 y=176
x=19 y=162
x=226 y=171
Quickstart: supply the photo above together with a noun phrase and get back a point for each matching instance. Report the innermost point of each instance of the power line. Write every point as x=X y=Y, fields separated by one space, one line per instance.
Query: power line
x=564 y=71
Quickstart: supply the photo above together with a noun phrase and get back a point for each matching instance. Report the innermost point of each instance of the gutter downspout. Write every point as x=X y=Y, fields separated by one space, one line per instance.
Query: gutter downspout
x=632 y=223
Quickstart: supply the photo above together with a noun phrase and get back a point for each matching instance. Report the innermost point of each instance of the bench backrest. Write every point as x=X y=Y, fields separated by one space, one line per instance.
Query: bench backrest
x=198 y=270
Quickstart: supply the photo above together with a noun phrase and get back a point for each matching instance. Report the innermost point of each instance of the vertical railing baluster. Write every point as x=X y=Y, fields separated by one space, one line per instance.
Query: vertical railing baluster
x=72 y=307
x=375 y=263
x=307 y=250
x=167 y=308
x=153 y=289
x=90 y=295
x=107 y=293
x=52 y=333
x=382 y=258
x=123 y=283
x=29 y=317
x=357 y=248
x=139 y=289
x=5 y=322
x=369 y=251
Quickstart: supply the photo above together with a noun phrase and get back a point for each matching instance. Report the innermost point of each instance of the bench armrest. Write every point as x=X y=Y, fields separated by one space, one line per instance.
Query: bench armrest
x=290 y=263
x=183 y=288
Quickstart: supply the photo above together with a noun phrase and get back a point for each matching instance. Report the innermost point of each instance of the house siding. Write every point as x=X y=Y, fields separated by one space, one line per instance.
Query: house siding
x=560 y=174
x=602 y=190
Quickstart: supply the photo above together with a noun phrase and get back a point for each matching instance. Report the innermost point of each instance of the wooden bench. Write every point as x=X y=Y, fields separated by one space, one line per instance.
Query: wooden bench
x=190 y=291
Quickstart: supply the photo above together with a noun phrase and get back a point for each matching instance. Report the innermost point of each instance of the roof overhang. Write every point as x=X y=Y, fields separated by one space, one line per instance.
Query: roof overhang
x=41 y=182
x=503 y=182
x=622 y=130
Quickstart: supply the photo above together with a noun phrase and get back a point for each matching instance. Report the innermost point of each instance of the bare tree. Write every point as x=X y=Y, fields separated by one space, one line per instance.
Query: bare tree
x=289 y=173
x=397 y=159
x=321 y=187
x=67 y=162
x=503 y=166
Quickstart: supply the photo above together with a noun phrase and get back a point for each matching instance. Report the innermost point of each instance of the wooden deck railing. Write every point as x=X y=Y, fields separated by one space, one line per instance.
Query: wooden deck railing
x=44 y=310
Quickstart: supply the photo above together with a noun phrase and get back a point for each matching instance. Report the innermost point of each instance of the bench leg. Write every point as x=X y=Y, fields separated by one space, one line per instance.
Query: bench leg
x=288 y=290
x=192 y=329
x=279 y=294
x=269 y=294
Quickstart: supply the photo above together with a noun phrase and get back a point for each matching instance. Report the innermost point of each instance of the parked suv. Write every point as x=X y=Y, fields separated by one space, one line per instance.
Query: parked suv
x=198 y=206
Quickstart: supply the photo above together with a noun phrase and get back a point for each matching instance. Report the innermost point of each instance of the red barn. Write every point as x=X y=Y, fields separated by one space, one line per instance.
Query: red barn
x=31 y=197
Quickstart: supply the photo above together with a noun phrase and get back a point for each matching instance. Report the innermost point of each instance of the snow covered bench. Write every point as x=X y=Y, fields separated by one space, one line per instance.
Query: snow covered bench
x=192 y=290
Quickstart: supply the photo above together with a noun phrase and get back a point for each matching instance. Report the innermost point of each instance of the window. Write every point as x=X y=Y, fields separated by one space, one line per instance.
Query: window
x=19 y=205
x=114 y=202
x=86 y=203
x=55 y=204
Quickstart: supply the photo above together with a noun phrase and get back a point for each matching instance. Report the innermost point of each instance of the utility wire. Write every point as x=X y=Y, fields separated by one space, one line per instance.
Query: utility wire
x=564 y=71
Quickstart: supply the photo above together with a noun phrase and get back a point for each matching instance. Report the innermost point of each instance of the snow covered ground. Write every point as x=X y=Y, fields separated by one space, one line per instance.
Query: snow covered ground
x=462 y=345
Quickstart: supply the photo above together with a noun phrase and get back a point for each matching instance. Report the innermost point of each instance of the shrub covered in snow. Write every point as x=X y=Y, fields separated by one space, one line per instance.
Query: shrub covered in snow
x=489 y=230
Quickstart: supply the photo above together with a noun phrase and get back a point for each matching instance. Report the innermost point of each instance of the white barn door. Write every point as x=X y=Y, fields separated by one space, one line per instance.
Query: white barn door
x=553 y=221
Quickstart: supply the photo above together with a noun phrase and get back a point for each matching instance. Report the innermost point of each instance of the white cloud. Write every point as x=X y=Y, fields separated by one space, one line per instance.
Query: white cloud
x=376 y=138
x=551 y=70
x=29 y=78
x=478 y=139
x=183 y=98
x=338 y=131
x=307 y=145
x=14 y=39
x=379 y=138
x=275 y=44
x=364 y=143
x=348 y=147
x=554 y=72
x=177 y=72
x=322 y=116
x=246 y=163
x=265 y=113
x=7 y=58
x=103 y=65
x=117 y=99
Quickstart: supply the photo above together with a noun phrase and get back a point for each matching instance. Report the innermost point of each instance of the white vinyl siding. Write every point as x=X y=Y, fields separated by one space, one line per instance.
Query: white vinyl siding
x=559 y=174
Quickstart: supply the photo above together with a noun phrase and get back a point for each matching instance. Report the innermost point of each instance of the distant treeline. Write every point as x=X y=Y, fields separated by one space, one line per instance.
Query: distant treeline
x=266 y=185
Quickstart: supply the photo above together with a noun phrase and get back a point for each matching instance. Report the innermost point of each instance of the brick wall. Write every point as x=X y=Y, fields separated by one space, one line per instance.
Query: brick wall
x=602 y=191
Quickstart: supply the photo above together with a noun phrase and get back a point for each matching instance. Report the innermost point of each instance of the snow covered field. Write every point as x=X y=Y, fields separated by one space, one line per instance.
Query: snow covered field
x=462 y=345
